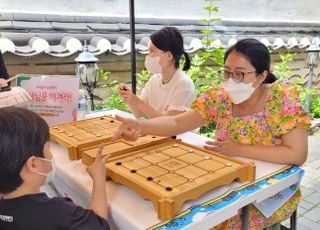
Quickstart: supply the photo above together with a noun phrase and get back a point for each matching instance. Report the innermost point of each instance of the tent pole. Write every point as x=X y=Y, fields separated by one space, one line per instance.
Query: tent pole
x=133 y=47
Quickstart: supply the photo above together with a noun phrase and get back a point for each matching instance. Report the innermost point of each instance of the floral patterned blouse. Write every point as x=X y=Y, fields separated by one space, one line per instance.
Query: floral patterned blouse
x=281 y=114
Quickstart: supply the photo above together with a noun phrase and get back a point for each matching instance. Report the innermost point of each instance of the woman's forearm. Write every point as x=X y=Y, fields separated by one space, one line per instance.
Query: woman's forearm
x=135 y=111
x=148 y=111
x=171 y=125
x=274 y=154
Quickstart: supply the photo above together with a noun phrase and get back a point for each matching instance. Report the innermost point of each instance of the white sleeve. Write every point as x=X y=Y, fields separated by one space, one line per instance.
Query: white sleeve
x=145 y=93
x=182 y=97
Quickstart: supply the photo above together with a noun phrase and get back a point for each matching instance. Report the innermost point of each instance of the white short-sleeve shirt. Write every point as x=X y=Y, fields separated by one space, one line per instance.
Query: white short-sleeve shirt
x=178 y=94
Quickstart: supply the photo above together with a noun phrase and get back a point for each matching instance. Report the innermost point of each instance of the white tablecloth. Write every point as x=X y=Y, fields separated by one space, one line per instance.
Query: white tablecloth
x=127 y=210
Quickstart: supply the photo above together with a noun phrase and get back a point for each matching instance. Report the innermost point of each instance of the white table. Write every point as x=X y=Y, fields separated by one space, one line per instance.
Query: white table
x=127 y=210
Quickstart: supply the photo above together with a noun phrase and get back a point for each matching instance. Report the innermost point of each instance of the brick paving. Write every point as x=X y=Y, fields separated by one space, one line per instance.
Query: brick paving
x=309 y=207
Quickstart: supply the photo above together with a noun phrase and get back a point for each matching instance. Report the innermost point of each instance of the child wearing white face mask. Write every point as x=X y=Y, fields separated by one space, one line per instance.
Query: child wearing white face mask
x=169 y=91
x=26 y=163
x=49 y=176
x=256 y=117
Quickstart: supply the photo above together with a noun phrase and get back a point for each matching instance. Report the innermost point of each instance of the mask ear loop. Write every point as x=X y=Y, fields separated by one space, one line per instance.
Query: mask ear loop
x=47 y=160
x=258 y=77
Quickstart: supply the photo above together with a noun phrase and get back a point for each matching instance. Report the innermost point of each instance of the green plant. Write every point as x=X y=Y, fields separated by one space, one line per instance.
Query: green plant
x=113 y=100
x=314 y=109
x=143 y=77
x=206 y=64
x=282 y=69
x=205 y=70
x=315 y=104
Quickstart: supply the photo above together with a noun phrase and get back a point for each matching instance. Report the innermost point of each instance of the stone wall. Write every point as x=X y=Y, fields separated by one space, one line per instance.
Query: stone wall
x=119 y=66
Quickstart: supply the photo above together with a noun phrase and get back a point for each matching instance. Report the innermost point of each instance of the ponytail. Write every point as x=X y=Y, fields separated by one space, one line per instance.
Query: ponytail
x=270 y=78
x=187 y=62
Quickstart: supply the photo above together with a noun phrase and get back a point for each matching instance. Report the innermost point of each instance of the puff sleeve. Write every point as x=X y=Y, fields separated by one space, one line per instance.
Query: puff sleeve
x=286 y=110
x=212 y=104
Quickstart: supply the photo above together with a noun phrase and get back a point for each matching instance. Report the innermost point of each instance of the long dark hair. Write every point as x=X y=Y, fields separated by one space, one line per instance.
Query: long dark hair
x=256 y=53
x=23 y=134
x=170 y=39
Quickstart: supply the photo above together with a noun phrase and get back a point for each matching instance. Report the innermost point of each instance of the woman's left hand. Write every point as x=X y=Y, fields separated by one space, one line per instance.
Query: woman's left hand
x=228 y=147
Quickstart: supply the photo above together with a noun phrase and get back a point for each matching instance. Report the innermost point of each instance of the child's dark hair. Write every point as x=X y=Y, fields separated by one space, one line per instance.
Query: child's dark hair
x=256 y=53
x=170 y=39
x=23 y=134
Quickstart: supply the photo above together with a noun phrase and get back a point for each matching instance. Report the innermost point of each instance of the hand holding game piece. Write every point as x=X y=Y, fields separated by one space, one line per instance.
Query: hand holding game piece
x=98 y=168
x=127 y=95
x=124 y=91
x=128 y=130
x=123 y=87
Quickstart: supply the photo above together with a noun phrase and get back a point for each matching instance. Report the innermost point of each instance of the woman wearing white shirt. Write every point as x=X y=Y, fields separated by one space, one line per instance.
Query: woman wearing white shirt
x=169 y=91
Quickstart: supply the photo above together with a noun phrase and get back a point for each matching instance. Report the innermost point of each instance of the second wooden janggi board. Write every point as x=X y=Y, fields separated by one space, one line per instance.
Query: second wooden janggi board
x=118 y=148
x=172 y=172
x=81 y=136
x=84 y=133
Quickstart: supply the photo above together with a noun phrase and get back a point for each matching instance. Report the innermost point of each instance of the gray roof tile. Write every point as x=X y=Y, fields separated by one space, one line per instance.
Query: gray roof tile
x=58 y=49
x=103 y=27
x=6 y=25
x=29 y=17
x=109 y=20
x=59 y=18
x=7 y=16
x=69 y=26
x=24 y=51
x=64 y=35
x=86 y=19
x=31 y=25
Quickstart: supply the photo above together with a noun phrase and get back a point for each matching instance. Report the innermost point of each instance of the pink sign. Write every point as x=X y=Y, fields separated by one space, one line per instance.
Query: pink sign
x=54 y=97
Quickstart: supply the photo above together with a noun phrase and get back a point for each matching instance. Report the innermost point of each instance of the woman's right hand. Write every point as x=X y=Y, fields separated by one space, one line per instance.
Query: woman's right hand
x=128 y=130
x=126 y=94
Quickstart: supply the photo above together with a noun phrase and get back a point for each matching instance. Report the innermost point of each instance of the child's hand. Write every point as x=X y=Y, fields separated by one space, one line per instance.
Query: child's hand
x=97 y=170
x=3 y=83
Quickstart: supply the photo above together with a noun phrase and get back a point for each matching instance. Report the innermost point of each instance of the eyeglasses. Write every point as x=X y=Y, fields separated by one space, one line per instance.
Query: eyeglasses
x=237 y=76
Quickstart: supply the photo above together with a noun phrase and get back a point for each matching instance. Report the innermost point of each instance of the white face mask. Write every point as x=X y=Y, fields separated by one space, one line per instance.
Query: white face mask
x=238 y=92
x=49 y=176
x=152 y=64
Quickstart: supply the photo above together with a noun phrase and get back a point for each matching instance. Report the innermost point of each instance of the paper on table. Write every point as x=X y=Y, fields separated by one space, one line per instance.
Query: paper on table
x=268 y=206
